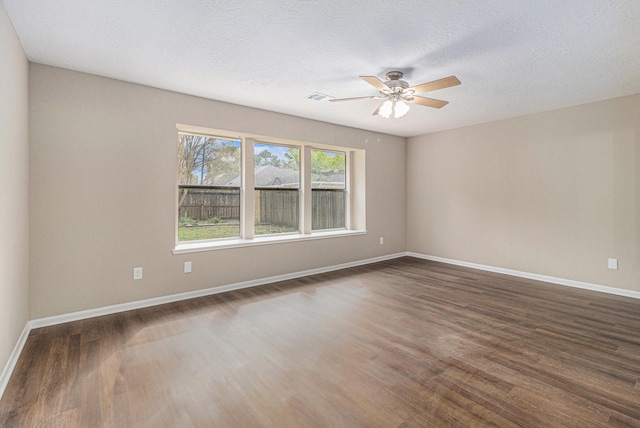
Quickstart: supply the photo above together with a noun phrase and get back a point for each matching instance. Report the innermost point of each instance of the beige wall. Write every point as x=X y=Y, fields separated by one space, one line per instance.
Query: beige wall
x=555 y=193
x=14 y=189
x=103 y=175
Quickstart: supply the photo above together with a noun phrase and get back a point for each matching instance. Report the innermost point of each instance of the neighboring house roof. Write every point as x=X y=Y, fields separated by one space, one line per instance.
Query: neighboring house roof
x=226 y=179
x=269 y=175
x=273 y=176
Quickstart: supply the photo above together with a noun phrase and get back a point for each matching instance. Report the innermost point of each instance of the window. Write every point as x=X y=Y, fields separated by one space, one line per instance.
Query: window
x=277 y=184
x=239 y=189
x=209 y=187
x=328 y=185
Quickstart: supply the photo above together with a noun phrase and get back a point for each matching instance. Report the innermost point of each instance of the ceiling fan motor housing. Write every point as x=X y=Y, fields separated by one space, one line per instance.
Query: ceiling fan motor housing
x=397 y=88
x=395 y=85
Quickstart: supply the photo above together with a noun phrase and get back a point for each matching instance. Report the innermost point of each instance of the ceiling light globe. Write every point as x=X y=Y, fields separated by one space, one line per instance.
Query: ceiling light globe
x=401 y=108
x=386 y=109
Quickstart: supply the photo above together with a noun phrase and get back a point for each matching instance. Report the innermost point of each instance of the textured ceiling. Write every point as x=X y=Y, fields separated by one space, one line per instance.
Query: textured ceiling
x=514 y=57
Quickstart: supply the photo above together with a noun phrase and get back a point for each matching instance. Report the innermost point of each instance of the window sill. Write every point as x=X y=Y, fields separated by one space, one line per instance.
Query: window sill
x=194 y=246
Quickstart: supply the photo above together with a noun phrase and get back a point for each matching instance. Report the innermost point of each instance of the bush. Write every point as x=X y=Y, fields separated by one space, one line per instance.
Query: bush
x=187 y=220
x=213 y=220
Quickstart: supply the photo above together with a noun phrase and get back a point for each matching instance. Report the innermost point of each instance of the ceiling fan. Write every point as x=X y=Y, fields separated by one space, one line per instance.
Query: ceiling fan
x=396 y=93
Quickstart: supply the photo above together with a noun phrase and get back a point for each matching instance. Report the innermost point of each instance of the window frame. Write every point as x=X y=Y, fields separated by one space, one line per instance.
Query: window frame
x=344 y=191
x=257 y=188
x=355 y=200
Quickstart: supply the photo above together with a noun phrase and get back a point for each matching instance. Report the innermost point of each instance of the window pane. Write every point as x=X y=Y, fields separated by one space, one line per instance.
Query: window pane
x=209 y=187
x=277 y=180
x=328 y=184
x=328 y=169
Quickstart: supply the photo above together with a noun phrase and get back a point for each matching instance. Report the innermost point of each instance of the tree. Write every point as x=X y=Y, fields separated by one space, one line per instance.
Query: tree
x=223 y=158
x=202 y=159
x=190 y=155
x=293 y=158
x=322 y=161
x=265 y=157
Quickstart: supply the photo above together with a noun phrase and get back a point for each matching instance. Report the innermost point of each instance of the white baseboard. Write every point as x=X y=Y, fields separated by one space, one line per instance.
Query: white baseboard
x=13 y=359
x=534 y=276
x=90 y=313
x=106 y=310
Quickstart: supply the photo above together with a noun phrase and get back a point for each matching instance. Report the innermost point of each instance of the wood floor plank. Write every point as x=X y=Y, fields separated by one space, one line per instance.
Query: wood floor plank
x=400 y=343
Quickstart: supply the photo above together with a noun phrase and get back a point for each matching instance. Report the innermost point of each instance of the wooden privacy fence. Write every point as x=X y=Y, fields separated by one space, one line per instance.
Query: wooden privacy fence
x=272 y=206
x=202 y=203
x=277 y=206
x=329 y=209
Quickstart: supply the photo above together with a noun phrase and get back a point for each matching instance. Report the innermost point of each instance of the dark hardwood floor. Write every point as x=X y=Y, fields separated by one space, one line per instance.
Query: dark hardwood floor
x=402 y=343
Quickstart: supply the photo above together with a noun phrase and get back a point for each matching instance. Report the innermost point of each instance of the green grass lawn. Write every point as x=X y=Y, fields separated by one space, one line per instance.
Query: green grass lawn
x=197 y=233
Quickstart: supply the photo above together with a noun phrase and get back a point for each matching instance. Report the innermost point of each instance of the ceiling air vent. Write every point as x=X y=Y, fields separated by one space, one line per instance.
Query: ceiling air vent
x=317 y=96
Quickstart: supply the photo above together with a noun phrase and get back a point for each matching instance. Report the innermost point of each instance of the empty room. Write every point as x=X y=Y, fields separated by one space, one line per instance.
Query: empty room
x=320 y=214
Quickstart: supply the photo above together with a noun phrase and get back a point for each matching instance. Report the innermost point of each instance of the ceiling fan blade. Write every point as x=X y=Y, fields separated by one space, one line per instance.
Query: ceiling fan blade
x=375 y=82
x=437 y=84
x=378 y=109
x=350 y=99
x=429 y=102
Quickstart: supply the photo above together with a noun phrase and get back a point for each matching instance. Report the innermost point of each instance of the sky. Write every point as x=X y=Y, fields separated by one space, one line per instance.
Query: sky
x=279 y=151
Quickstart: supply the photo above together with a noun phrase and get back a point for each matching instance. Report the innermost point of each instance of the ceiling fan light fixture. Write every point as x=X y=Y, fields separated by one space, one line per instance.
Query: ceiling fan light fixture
x=386 y=109
x=393 y=108
x=401 y=108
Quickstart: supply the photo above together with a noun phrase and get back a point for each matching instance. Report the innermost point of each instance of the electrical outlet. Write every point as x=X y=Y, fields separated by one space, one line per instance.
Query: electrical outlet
x=137 y=273
x=187 y=267
x=613 y=264
x=381 y=240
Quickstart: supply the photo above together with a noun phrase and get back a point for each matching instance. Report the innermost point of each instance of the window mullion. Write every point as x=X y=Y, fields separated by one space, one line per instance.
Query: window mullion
x=305 y=188
x=247 y=213
x=348 y=190
x=357 y=199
